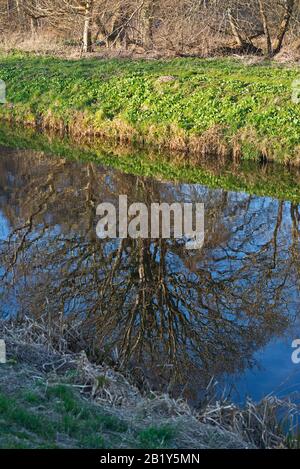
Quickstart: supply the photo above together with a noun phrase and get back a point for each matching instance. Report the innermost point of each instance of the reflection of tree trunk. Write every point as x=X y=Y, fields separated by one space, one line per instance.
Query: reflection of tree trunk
x=87 y=31
x=295 y=218
x=90 y=201
x=276 y=232
x=284 y=26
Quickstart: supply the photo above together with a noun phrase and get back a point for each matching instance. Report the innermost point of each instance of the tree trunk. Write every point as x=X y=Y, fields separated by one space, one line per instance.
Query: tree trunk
x=87 y=30
x=147 y=15
x=266 y=27
x=9 y=8
x=34 y=25
x=237 y=35
x=118 y=35
x=284 y=25
x=20 y=13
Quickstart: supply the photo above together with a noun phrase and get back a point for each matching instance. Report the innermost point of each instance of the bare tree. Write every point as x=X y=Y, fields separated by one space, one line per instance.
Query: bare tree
x=181 y=26
x=87 y=29
x=289 y=7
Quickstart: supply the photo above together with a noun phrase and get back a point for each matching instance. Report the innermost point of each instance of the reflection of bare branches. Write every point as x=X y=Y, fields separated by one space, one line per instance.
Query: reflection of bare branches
x=177 y=314
x=27 y=228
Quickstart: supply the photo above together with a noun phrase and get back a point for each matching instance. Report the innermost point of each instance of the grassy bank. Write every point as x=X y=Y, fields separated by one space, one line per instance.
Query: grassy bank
x=49 y=412
x=201 y=106
x=51 y=397
x=273 y=180
x=51 y=400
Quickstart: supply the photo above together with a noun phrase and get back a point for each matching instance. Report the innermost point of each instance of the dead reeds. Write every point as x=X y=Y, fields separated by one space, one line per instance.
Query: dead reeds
x=271 y=423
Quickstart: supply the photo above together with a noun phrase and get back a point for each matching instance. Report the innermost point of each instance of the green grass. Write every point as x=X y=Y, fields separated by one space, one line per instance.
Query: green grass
x=39 y=417
x=251 y=105
x=44 y=415
x=55 y=417
x=156 y=437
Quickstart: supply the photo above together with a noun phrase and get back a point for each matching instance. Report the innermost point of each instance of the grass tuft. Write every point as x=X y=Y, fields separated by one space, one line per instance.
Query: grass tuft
x=157 y=437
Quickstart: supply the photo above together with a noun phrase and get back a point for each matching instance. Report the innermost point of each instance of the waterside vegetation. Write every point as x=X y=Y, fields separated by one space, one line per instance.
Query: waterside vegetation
x=199 y=107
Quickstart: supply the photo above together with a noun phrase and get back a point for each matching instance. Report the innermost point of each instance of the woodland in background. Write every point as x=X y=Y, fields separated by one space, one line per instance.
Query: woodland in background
x=171 y=27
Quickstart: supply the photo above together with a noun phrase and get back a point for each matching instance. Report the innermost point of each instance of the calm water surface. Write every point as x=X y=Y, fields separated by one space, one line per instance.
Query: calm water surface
x=176 y=317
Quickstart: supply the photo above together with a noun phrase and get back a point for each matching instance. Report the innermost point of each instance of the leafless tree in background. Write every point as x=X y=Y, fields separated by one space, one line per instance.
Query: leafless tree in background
x=180 y=26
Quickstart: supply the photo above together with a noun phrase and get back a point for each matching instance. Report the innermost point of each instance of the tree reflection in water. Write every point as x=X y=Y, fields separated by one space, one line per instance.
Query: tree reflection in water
x=181 y=316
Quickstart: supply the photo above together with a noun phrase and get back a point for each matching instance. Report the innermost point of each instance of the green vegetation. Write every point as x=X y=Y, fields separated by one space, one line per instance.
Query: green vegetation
x=273 y=180
x=219 y=106
x=56 y=416
x=153 y=437
x=66 y=408
x=38 y=418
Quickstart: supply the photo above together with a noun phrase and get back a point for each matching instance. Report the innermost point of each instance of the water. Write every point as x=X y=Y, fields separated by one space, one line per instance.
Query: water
x=174 y=318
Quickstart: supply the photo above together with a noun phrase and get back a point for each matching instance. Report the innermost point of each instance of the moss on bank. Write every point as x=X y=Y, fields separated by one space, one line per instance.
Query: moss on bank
x=196 y=105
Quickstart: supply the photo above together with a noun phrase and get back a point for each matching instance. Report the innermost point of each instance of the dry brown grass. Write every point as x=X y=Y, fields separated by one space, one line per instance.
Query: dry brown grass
x=257 y=423
x=47 y=346
x=45 y=43
x=200 y=41
x=290 y=53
